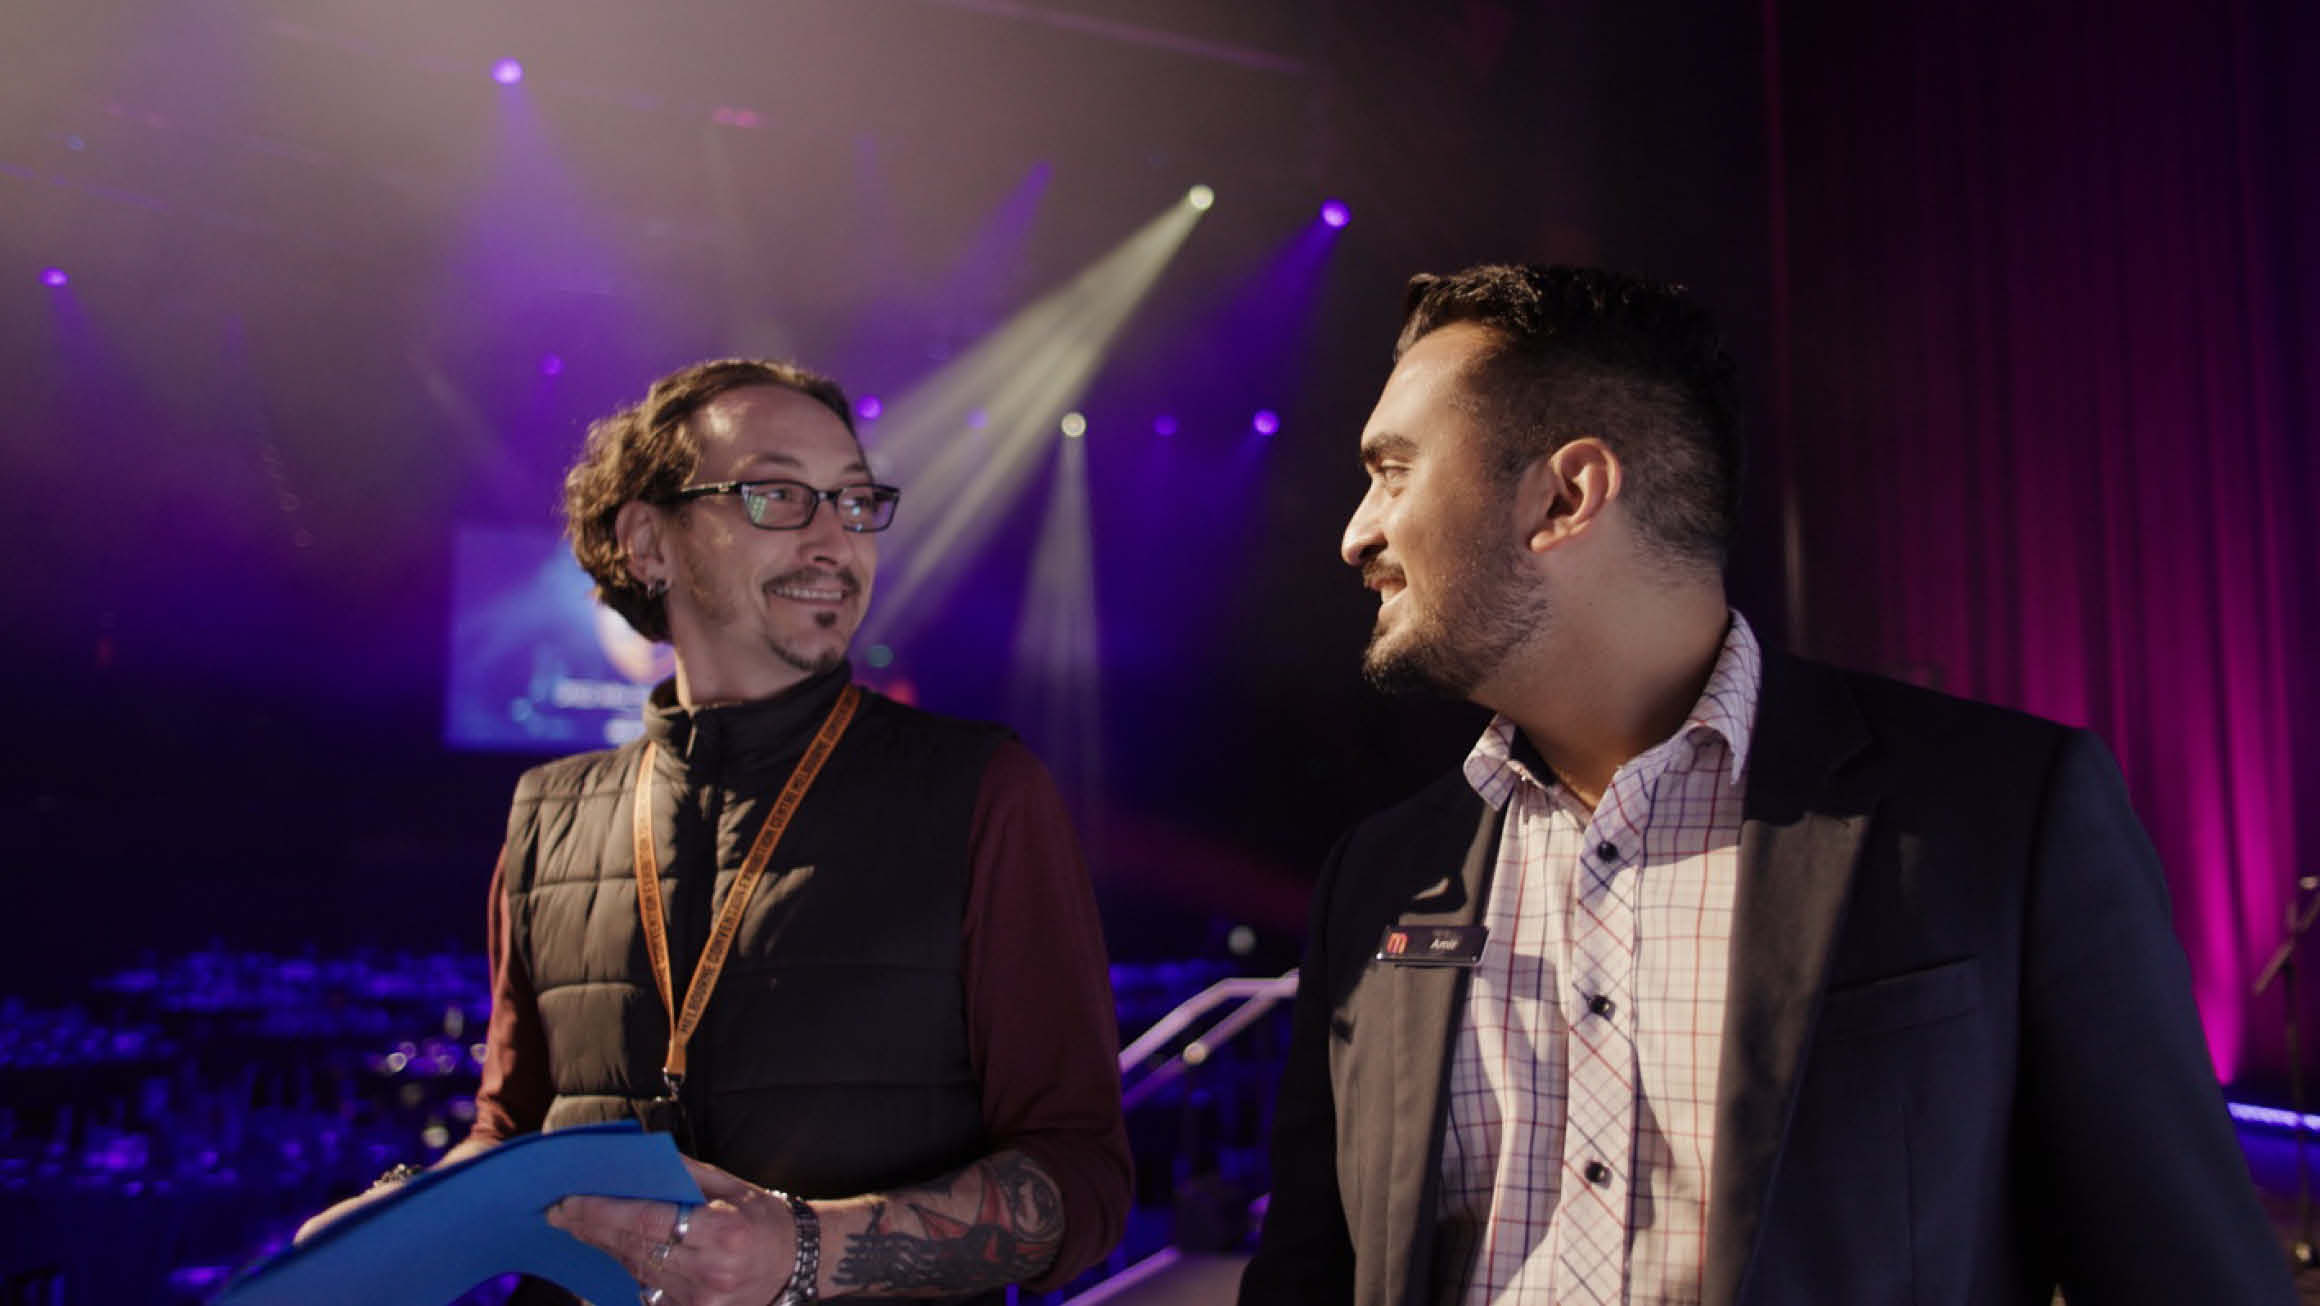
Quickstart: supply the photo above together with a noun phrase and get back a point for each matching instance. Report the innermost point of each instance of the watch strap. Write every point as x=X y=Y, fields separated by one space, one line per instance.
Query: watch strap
x=806 y=1270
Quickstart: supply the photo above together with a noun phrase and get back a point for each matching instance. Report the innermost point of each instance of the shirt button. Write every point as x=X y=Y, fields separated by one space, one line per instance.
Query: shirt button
x=1597 y=1173
x=1602 y=1006
x=1608 y=852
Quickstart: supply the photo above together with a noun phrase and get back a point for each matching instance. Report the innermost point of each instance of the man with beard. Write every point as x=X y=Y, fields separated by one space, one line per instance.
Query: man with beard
x=1712 y=976
x=845 y=949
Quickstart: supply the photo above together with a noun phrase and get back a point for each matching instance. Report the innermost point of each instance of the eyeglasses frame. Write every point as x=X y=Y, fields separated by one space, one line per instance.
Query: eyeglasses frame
x=887 y=494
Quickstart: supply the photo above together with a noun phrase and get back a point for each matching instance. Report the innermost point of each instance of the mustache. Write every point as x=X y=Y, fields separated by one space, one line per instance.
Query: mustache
x=846 y=577
x=1375 y=573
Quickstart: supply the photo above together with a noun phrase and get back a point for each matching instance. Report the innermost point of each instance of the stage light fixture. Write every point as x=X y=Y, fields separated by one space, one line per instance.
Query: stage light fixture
x=1200 y=198
x=868 y=408
x=1335 y=213
x=1266 y=422
x=53 y=277
x=1164 y=425
x=551 y=365
x=1074 y=425
x=507 y=72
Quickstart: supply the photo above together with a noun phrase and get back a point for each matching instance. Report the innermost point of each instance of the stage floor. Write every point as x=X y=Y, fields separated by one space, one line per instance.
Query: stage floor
x=2271 y=1155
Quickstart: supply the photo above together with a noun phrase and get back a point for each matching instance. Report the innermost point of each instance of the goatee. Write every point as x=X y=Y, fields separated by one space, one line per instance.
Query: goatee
x=1489 y=612
x=1428 y=668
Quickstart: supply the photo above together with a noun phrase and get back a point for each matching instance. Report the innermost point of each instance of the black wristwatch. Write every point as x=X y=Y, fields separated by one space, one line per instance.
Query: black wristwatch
x=804 y=1272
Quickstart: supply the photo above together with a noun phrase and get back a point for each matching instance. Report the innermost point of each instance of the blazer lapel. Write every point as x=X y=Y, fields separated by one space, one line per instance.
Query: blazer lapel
x=1800 y=841
x=1428 y=1001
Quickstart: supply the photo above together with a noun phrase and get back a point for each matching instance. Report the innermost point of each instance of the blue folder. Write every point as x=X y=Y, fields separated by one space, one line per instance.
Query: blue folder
x=451 y=1228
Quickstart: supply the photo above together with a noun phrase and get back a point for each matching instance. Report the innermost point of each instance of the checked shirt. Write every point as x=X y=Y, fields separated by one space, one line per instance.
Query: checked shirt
x=1583 y=1079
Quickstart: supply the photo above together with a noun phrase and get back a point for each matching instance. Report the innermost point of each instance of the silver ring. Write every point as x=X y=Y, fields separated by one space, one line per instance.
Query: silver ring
x=683 y=1226
x=659 y=1255
x=652 y=1296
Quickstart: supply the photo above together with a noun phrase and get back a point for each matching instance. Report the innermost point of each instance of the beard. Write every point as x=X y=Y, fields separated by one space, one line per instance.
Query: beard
x=718 y=610
x=811 y=662
x=1486 y=609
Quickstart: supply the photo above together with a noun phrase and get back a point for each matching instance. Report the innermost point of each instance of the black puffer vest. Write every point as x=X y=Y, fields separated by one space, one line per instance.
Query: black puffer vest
x=832 y=1058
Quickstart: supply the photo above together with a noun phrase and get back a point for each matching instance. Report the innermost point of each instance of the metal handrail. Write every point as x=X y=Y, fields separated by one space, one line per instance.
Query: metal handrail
x=1255 y=996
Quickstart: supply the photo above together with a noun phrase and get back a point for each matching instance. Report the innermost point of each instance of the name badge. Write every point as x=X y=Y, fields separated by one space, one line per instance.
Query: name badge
x=1432 y=945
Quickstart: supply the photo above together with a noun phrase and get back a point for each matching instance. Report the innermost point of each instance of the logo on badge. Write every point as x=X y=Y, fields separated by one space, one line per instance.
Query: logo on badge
x=1432 y=945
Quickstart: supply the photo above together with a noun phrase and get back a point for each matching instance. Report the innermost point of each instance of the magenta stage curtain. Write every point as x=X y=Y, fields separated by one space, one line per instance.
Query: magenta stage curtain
x=2044 y=311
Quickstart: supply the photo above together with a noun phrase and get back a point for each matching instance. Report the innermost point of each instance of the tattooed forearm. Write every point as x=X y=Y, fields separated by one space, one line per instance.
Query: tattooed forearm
x=996 y=1222
x=1033 y=1205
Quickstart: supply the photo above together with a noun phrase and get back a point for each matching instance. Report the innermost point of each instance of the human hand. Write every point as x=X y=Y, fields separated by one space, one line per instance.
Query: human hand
x=340 y=1211
x=388 y=1184
x=734 y=1250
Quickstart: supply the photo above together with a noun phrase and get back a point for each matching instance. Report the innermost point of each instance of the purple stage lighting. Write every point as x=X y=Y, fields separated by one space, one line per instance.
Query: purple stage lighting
x=869 y=407
x=1266 y=421
x=1335 y=213
x=551 y=365
x=53 y=277
x=507 y=72
x=1163 y=425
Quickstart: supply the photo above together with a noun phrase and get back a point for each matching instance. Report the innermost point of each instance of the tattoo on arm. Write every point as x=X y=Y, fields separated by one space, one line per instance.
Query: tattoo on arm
x=1012 y=1235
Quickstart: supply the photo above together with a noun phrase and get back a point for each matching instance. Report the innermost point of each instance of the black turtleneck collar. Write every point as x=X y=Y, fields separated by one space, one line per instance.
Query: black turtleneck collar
x=762 y=729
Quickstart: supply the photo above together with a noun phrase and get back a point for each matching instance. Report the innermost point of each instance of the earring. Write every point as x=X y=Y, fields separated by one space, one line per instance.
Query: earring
x=658 y=588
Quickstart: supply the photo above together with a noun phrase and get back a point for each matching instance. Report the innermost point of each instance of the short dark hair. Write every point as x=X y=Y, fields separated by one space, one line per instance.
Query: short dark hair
x=648 y=451
x=1582 y=351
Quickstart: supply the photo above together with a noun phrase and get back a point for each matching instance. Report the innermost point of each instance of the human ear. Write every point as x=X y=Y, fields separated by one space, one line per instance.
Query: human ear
x=638 y=528
x=1570 y=488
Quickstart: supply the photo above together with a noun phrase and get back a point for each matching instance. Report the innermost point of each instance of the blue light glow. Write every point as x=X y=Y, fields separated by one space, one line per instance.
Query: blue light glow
x=2247 y=1113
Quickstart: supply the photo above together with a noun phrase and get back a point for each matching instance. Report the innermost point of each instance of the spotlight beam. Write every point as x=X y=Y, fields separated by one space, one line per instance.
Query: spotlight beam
x=932 y=413
x=1058 y=659
x=1024 y=376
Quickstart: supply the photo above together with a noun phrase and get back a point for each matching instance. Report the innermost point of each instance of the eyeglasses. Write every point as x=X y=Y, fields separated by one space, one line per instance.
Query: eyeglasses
x=790 y=505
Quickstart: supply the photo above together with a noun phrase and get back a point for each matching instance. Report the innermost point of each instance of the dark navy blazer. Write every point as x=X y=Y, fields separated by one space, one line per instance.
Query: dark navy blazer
x=1961 y=1064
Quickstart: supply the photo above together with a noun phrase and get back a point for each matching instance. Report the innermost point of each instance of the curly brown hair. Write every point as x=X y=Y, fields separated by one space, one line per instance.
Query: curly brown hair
x=648 y=451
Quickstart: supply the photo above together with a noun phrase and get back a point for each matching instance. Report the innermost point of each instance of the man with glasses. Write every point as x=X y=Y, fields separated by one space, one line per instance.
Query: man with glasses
x=898 y=1077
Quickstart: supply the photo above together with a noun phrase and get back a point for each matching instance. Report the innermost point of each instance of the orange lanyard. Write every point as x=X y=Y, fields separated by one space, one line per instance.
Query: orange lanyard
x=683 y=1022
